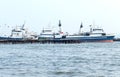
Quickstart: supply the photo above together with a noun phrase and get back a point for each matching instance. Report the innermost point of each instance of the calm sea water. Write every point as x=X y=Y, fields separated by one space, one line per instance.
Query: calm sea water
x=60 y=60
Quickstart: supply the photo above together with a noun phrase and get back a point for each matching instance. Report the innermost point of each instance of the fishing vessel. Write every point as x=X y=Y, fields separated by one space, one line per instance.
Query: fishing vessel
x=19 y=33
x=94 y=35
x=49 y=34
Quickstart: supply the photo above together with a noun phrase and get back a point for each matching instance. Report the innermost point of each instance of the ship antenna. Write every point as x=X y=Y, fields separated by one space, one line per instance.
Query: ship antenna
x=60 y=26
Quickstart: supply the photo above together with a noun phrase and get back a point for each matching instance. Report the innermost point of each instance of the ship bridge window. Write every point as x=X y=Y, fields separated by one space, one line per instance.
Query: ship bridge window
x=16 y=30
x=47 y=30
x=57 y=34
x=97 y=29
x=17 y=33
x=46 y=34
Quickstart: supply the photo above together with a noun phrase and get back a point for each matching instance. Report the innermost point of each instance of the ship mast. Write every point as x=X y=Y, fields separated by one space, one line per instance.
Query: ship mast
x=81 y=26
x=91 y=29
x=60 y=30
x=22 y=28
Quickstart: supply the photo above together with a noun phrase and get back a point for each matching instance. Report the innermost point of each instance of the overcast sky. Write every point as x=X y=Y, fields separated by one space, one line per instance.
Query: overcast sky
x=41 y=13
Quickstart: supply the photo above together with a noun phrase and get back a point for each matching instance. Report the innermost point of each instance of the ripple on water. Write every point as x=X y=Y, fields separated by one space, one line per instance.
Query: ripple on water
x=60 y=60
